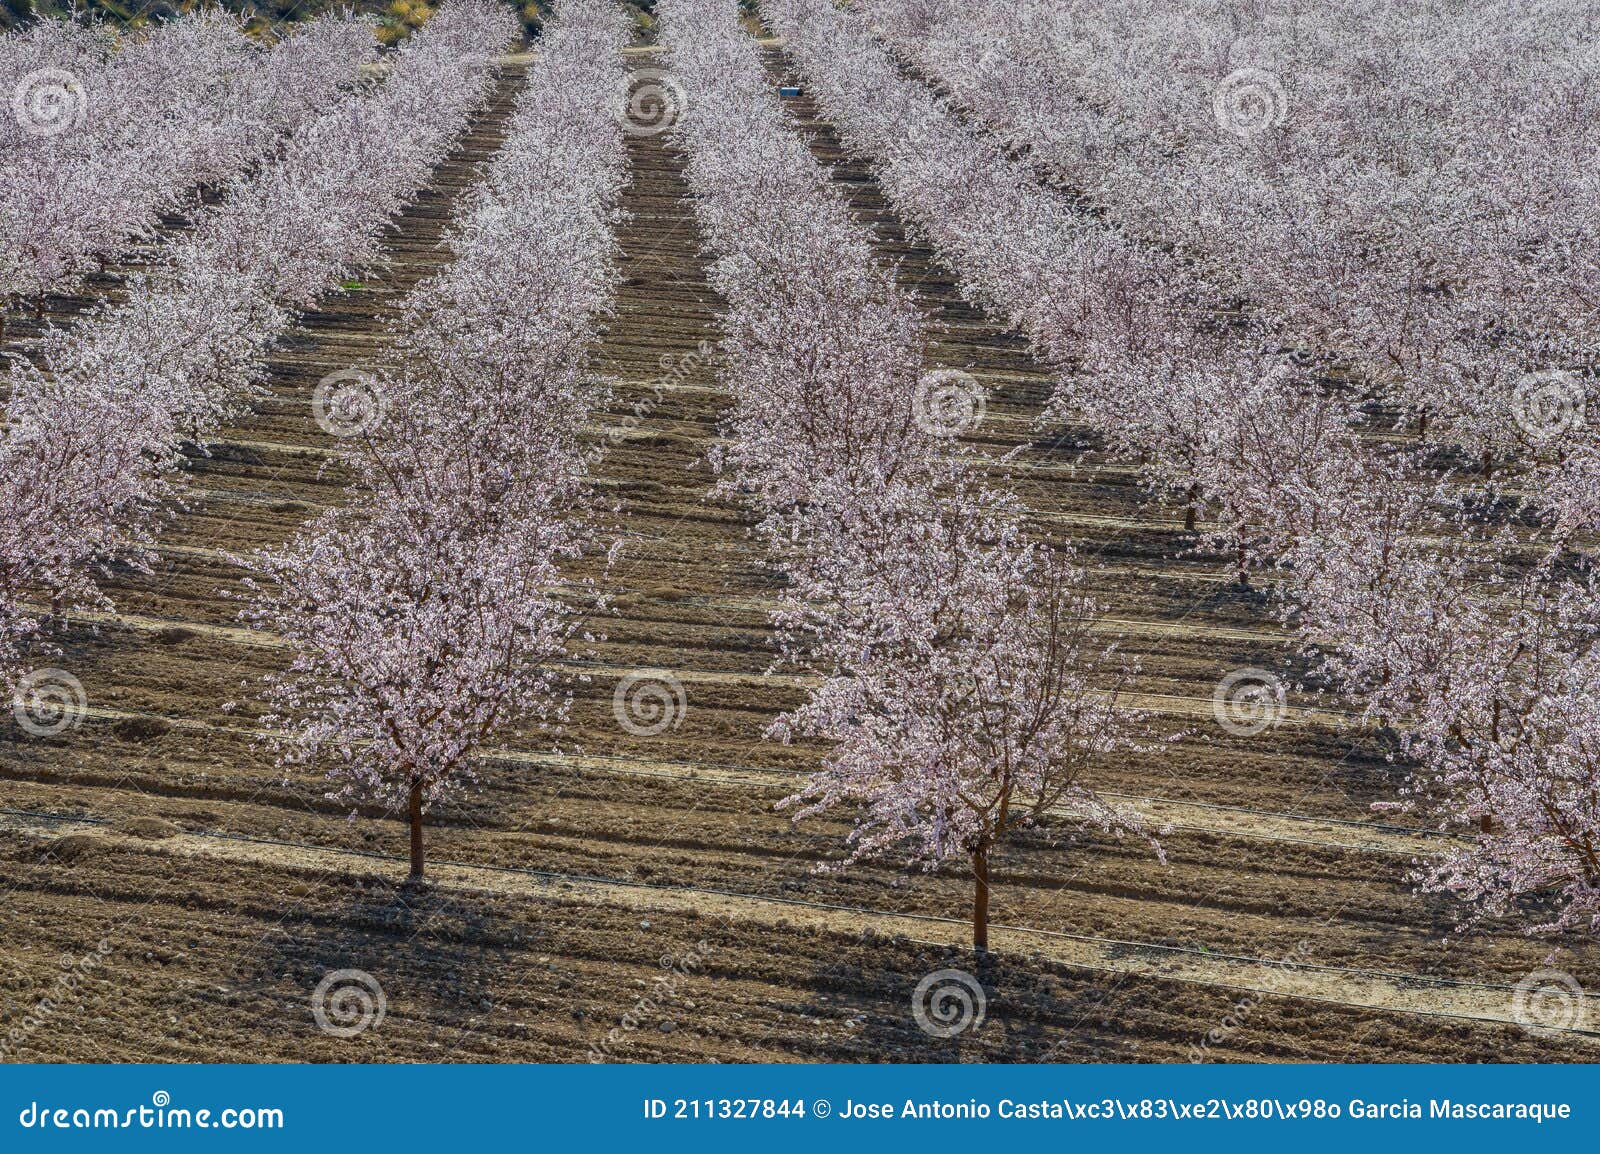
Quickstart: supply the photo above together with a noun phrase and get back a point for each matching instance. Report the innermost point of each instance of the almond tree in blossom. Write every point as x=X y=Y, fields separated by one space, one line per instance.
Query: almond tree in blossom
x=960 y=686
x=1486 y=671
x=71 y=500
x=421 y=622
x=977 y=698
x=1532 y=779
x=431 y=611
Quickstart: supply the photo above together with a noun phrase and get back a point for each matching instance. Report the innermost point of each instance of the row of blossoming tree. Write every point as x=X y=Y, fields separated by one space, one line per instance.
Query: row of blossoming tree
x=964 y=692
x=431 y=610
x=98 y=411
x=1473 y=639
x=105 y=134
x=1404 y=193
x=1405 y=188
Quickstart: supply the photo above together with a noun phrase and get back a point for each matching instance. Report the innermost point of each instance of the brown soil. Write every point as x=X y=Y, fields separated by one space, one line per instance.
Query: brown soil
x=583 y=878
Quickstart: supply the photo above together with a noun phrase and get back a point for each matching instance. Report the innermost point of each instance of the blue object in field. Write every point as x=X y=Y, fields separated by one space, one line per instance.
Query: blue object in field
x=788 y=90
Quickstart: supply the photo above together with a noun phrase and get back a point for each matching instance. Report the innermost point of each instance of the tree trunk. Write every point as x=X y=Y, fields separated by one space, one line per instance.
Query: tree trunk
x=1485 y=823
x=1188 y=511
x=1488 y=464
x=980 y=900
x=416 y=830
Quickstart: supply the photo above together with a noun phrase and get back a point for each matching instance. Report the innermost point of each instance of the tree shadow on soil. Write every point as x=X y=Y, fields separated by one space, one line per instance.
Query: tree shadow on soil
x=437 y=952
x=952 y=1006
